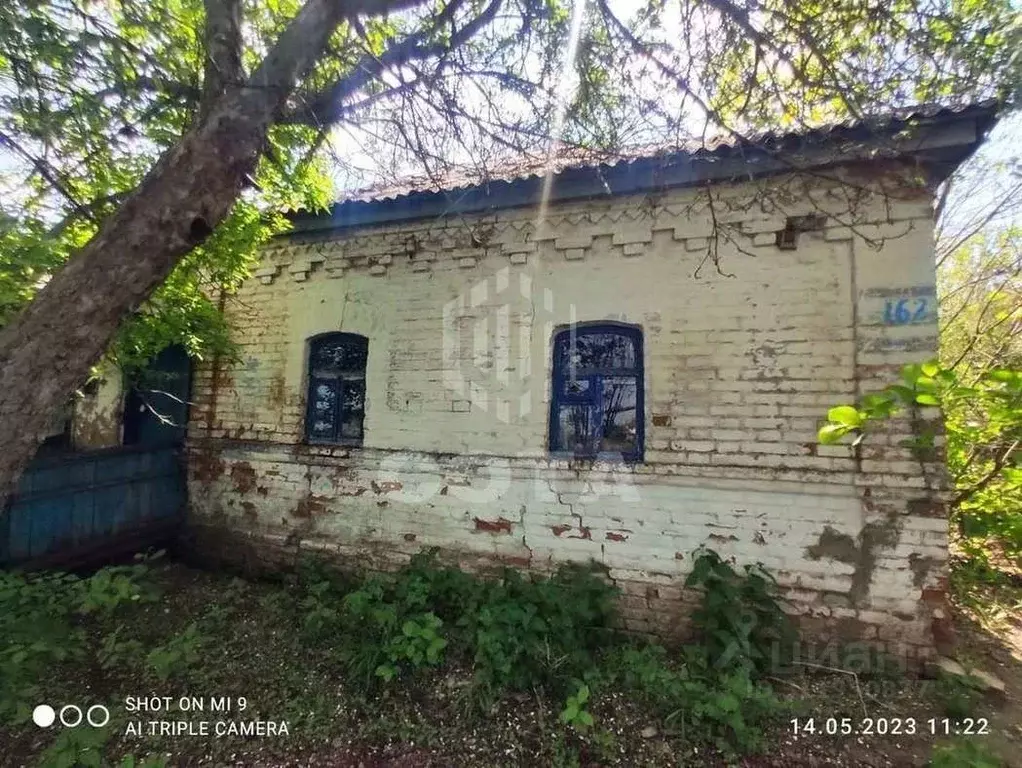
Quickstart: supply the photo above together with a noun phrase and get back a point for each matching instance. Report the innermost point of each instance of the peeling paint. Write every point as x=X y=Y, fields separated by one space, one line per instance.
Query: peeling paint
x=500 y=525
x=922 y=567
x=311 y=505
x=721 y=539
x=861 y=552
x=243 y=477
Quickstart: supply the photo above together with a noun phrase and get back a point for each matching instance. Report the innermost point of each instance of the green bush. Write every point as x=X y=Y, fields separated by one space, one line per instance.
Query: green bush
x=177 y=654
x=555 y=635
x=963 y=753
x=982 y=408
x=518 y=632
x=739 y=620
x=40 y=624
x=525 y=632
x=696 y=701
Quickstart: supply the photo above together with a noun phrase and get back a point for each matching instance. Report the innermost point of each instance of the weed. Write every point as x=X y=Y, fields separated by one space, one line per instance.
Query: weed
x=519 y=633
x=563 y=754
x=739 y=620
x=696 y=702
x=177 y=654
x=575 y=714
x=40 y=623
x=539 y=633
x=604 y=746
x=963 y=753
x=115 y=651
x=418 y=645
x=310 y=713
x=75 y=747
x=957 y=695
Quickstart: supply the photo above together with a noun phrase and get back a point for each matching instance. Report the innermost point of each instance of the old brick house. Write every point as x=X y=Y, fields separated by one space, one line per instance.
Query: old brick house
x=632 y=369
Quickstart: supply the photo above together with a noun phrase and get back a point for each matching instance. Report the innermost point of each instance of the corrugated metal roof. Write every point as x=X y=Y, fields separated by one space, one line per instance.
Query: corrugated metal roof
x=578 y=172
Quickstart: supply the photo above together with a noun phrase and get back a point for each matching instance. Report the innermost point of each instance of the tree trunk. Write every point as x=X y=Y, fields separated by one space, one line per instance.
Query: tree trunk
x=47 y=351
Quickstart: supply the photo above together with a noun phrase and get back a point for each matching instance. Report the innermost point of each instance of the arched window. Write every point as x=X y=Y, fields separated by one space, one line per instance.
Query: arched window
x=337 y=388
x=596 y=410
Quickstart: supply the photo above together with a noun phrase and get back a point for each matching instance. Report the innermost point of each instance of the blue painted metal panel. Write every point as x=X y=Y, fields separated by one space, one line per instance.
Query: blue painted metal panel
x=69 y=505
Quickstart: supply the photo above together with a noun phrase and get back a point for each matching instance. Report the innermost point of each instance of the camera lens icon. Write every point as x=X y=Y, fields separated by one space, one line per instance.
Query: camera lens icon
x=71 y=716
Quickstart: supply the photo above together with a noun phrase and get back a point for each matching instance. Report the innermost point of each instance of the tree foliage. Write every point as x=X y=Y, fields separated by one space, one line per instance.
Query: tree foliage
x=99 y=96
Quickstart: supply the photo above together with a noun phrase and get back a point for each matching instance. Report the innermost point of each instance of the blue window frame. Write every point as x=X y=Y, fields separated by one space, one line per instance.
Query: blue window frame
x=337 y=388
x=596 y=410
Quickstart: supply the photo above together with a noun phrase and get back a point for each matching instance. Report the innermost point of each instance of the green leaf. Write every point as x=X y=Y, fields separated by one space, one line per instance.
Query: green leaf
x=832 y=433
x=845 y=414
x=927 y=399
x=903 y=393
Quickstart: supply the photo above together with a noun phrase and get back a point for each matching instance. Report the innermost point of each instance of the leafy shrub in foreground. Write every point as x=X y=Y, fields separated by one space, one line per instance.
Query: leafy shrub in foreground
x=555 y=635
x=695 y=700
x=519 y=632
x=40 y=623
x=739 y=620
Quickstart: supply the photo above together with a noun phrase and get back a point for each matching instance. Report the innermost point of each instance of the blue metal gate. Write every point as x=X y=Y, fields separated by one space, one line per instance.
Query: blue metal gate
x=75 y=509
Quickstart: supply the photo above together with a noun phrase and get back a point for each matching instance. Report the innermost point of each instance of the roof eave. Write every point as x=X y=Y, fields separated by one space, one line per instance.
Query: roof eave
x=938 y=144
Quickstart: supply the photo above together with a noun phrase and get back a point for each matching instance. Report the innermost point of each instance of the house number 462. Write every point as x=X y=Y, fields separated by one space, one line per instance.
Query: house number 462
x=905 y=311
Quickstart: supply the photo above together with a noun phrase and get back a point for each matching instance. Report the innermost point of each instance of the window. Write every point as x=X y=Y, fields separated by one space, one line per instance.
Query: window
x=596 y=409
x=337 y=388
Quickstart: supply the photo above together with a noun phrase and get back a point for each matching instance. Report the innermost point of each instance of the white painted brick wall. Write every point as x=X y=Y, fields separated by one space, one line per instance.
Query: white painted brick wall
x=740 y=369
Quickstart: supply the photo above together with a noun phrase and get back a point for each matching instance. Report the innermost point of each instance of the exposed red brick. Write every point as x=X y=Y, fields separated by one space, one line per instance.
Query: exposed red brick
x=500 y=525
x=615 y=536
x=582 y=531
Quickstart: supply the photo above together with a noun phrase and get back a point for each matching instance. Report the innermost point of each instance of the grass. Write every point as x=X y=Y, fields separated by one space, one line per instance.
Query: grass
x=280 y=647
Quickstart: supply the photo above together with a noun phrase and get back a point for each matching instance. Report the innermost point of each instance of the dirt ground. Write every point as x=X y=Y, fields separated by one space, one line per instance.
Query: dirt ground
x=249 y=650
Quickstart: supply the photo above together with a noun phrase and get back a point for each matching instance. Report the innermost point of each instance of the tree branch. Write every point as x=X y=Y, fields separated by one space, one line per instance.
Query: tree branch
x=222 y=65
x=999 y=463
x=328 y=106
x=48 y=348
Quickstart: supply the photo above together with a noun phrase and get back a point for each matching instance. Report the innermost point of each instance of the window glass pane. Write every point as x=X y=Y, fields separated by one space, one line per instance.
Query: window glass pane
x=578 y=427
x=576 y=386
x=323 y=410
x=619 y=414
x=339 y=353
x=593 y=351
x=353 y=408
